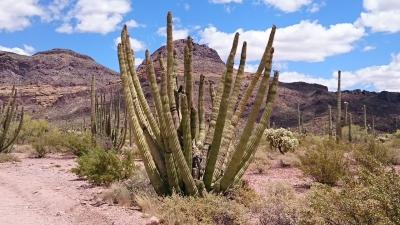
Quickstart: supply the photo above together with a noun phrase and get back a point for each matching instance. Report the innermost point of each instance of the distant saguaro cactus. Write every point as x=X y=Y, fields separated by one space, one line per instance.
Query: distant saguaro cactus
x=179 y=152
x=365 y=118
x=339 y=109
x=8 y=116
x=330 y=123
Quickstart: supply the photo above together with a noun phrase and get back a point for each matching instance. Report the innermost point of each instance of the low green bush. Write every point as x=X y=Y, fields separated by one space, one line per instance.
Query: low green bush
x=325 y=162
x=102 y=167
x=7 y=157
x=371 y=199
x=77 y=143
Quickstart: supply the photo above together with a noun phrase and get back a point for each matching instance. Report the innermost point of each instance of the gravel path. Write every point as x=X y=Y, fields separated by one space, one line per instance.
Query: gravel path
x=43 y=191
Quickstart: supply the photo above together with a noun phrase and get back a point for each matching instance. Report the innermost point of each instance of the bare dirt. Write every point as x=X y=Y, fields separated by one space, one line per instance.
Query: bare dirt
x=45 y=192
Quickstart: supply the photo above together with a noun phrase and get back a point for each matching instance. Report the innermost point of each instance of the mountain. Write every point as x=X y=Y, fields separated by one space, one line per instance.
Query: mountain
x=55 y=85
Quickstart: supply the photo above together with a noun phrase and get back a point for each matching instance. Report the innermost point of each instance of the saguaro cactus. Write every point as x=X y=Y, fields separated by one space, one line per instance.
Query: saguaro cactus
x=365 y=118
x=8 y=116
x=350 y=122
x=339 y=110
x=330 y=129
x=187 y=156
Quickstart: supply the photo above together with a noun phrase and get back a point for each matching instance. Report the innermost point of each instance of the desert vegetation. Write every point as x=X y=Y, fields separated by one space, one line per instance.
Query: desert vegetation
x=163 y=155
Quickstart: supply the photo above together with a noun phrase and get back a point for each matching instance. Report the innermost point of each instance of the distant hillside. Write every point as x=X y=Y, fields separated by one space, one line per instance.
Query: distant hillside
x=55 y=85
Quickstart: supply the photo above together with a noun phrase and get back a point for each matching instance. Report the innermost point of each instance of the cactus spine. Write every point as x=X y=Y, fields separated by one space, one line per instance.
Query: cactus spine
x=172 y=157
x=8 y=116
x=339 y=110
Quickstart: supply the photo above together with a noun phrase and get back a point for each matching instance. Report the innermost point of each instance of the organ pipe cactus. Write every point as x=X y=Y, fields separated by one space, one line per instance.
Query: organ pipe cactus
x=179 y=151
x=106 y=119
x=9 y=115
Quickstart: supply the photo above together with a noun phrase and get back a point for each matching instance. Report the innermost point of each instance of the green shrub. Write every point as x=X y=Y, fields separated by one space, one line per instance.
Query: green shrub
x=77 y=143
x=104 y=167
x=281 y=139
x=325 y=162
x=373 y=198
x=209 y=210
x=33 y=129
x=371 y=154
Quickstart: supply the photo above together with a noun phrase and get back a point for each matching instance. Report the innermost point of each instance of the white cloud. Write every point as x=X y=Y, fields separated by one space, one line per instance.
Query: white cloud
x=95 y=16
x=135 y=44
x=55 y=9
x=133 y=24
x=368 y=48
x=306 y=41
x=178 y=33
x=382 y=77
x=287 y=6
x=17 y=15
x=381 y=16
x=65 y=28
x=225 y=1
x=26 y=50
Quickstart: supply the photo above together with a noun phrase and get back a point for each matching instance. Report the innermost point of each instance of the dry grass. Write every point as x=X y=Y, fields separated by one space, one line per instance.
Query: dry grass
x=6 y=157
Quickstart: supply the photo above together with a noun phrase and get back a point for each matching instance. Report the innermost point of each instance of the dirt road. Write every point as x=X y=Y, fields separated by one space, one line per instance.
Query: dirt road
x=44 y=192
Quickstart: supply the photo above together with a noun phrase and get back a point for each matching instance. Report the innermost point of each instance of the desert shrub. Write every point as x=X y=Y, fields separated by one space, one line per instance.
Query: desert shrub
x=325 y=162
x=369 y=155
x=358 y=133
x=209 y=210
x=281 y=139
x=77 y=143
x=104 y=167
x=7 y=157
x=33 y=129
x=118 y=194
x=281 y=206
x=243 y=194
x=372 y=198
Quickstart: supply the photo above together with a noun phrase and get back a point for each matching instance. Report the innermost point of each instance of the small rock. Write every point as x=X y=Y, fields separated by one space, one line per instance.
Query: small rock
x=153 y=221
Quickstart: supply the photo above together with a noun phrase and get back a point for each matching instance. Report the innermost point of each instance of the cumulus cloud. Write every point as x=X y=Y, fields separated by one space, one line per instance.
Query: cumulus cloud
x=135 y=44
x=368 y=48
x=225 y=1
x=17 y=15
x=95 y=16
x=287 y=6
x=133 y=24
x=178 y=33
x=25 y=50
x=381 y=16
x=382 y=77
x=307 y=41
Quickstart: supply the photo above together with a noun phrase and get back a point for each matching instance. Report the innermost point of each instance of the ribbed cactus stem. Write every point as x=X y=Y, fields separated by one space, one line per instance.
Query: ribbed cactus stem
x=240 y=147
x=350 y=123
x=346 y=108
x=8 y=135
x=170 y=71
x=201 y=112
x=251 y=147
x=212 y=93
x=174 y=144
x=135 y=80
x=299 y=118
x=93 y=109
x=228 y=129
x=186 y=131
x=365 y=118
x=330 y=129
x=339 y=110
x=220 y=123
x=149 y=164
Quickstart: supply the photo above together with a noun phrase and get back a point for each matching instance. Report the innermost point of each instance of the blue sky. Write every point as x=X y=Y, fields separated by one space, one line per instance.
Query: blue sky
x=314 y=39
